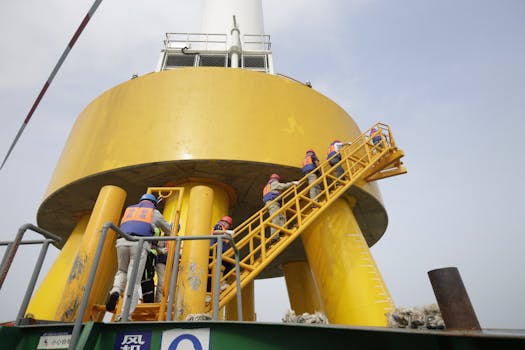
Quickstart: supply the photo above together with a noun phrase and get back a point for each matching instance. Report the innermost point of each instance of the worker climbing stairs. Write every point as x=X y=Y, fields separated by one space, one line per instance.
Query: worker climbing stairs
x=371 y=156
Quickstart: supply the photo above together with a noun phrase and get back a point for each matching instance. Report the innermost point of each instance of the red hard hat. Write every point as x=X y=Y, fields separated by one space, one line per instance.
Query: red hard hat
x=275 y=176
x=227 y=219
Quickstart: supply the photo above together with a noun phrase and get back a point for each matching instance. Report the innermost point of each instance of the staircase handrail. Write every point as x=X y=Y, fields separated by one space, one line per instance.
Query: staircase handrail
x=360 y=158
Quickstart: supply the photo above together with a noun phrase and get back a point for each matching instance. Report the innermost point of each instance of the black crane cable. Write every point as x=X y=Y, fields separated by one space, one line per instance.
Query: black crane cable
x=61 y=60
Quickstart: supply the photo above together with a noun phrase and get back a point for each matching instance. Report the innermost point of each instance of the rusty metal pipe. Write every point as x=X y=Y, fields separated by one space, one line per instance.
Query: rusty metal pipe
x=453 y=300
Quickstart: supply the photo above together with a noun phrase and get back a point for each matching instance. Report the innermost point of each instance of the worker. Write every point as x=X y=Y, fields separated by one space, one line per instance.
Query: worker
x=271 y=191
x=375 y=135
x=220 y=228
x=161 y=255
x=161 y=248
x=334 y=157
x=138 y=220
x=224 y=225
x=310 y=162
x=146 y=284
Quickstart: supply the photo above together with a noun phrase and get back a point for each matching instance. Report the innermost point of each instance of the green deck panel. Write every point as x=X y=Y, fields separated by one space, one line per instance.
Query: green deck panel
x=27 y=337
x=271 y=336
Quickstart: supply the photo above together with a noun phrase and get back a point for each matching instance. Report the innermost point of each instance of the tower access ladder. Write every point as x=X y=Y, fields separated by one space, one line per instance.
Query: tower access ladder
x=365 y=159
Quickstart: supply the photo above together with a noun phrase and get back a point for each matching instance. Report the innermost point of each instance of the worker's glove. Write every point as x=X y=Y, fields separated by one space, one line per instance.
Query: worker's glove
x=295 y=183
x=230 y=232
x=162 y=250
x=157 y=231
x=153 y=251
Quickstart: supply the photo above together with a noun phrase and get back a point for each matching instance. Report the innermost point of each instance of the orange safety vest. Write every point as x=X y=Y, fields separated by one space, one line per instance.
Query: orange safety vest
x=375 y=135
x=142 y=214
x=268 y=194
x=307 y=161
x=309 y=164
x=331 y=150
x=137 y=220
x=374 y=132
x=266 y=189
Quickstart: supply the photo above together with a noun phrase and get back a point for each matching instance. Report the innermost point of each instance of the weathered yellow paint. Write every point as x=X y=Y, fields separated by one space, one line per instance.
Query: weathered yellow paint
x=108 y=207
x=45 y=301
x=302 y=289
x=205 y=201
x=248 y=305
x=350 y=284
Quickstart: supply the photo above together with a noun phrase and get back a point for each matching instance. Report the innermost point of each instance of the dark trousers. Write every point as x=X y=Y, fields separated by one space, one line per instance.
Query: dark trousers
x=147 y=284
x=227 y=267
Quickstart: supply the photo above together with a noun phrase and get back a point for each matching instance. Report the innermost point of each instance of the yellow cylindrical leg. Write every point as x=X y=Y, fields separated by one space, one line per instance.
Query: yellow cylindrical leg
x=351 y=287
x=248 y=305
x=248 y=302
x=45 y=301
x=302 y=289
x=191 y=289
x=199 y=212
x=108 y=207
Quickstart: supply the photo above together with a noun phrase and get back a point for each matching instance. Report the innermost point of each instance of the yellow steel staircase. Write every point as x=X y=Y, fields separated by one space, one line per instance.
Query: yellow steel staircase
x=362 y=160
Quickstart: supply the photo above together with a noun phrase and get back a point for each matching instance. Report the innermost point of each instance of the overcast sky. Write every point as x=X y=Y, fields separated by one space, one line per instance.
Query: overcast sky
x=447 y=75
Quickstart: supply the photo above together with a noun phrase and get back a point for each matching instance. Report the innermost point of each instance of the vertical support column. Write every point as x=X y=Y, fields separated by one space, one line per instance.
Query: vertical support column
x=302 y=289
x=351 y=287
x=45 y=301
x=191 y=289
x=248 y=305
x=217 y=16
x=108 y=207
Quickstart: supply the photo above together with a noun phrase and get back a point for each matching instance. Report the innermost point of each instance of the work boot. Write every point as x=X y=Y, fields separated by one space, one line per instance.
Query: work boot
x=112 y=301
x=224 y=285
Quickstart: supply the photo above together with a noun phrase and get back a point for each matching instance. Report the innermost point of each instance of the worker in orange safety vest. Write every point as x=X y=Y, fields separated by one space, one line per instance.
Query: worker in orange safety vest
x=334 y=157
x=220 y=228
x=138 y=220
x=271 y=191
x=310 y=162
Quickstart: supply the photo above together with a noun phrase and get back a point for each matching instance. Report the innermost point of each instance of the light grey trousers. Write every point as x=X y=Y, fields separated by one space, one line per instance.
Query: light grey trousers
x=279 y=220
x=126 y=255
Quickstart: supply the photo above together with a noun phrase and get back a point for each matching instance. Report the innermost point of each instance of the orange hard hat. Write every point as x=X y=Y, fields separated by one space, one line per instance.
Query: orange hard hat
x=227 y=219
